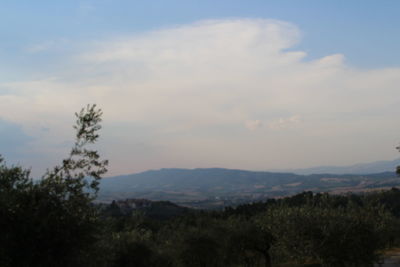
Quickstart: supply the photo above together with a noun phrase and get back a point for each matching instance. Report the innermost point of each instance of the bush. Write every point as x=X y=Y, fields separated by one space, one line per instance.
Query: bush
x=333 y=237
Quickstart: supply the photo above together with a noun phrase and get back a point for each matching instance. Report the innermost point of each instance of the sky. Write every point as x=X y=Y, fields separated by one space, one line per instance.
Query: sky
x=254 y=85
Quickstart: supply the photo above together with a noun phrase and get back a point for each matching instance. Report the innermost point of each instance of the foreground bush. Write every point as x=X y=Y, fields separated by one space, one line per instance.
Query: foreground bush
x=348 y=236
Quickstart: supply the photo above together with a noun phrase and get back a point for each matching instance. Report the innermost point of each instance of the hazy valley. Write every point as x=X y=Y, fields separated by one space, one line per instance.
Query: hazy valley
x=217 y=187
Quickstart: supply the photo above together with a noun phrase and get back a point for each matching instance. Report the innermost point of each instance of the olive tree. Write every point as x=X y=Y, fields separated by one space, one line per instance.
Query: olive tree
x=53 y=222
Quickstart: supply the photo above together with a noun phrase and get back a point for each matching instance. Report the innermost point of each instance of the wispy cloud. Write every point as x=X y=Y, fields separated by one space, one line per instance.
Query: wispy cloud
x=13 y=140
x=253 y=124
x=40 y=47
x=54 y=46
x=282 y=123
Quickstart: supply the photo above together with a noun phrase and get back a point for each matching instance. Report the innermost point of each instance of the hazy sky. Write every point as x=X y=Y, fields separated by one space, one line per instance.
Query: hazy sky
x=238 y=84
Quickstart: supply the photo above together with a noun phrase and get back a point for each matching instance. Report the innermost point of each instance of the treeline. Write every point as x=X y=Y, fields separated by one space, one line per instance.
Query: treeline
x=53 y=222
x=303 y=230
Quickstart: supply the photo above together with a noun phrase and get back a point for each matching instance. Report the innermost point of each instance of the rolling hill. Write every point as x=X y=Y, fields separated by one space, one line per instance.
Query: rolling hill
x=360 y=168
x=227 y=186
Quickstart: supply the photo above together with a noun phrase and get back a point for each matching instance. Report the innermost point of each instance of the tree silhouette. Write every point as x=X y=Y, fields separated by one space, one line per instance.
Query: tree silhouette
x=52 y=222
x=398 y=167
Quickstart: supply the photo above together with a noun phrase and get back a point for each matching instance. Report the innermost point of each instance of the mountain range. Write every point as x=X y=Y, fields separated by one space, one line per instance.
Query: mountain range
x=360 y=168
x=227 y=186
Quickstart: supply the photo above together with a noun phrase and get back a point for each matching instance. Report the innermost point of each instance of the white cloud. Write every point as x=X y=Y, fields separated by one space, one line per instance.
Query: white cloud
x=39 y=47
x=48 y=45
x=191 y=87
x=253 y=124
x=282 y=123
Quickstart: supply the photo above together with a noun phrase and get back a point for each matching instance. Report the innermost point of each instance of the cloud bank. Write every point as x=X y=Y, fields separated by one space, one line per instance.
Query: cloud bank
x=230 y=93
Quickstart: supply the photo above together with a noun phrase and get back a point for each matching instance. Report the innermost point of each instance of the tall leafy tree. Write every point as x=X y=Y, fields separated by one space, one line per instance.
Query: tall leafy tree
x=52 y=222
x=398 y=167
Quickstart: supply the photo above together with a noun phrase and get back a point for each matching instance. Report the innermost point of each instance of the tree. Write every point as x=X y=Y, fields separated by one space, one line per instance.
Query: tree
x=249 y=244
x=398 y=167
x=52 y=222
x=199 y=249
x=328 y=236
x=81 y=171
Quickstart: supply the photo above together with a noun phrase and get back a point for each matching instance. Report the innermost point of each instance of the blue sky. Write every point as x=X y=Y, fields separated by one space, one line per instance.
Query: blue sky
x=57 y=55
x=366 y=31
x=13 y=140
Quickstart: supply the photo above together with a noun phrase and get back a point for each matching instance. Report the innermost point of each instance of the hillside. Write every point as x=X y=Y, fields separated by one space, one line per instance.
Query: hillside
x=221 y=187
x=360 y=168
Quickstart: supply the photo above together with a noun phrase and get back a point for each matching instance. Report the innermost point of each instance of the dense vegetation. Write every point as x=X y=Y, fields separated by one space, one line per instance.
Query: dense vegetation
x=53 y=222
x=305 y=229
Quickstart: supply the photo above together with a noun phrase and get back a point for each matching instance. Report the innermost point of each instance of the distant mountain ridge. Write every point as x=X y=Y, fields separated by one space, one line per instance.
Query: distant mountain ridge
x=222 y=185
x=360 y=168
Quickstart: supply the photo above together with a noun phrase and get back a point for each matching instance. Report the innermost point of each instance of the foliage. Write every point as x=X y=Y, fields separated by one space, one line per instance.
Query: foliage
x=53 y=220
x=333 y=237
x=78 y=176
x=398 y=167
x=320 y=229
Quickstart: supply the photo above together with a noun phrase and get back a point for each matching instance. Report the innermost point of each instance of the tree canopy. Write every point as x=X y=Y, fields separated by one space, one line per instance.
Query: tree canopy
x=53 y=219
